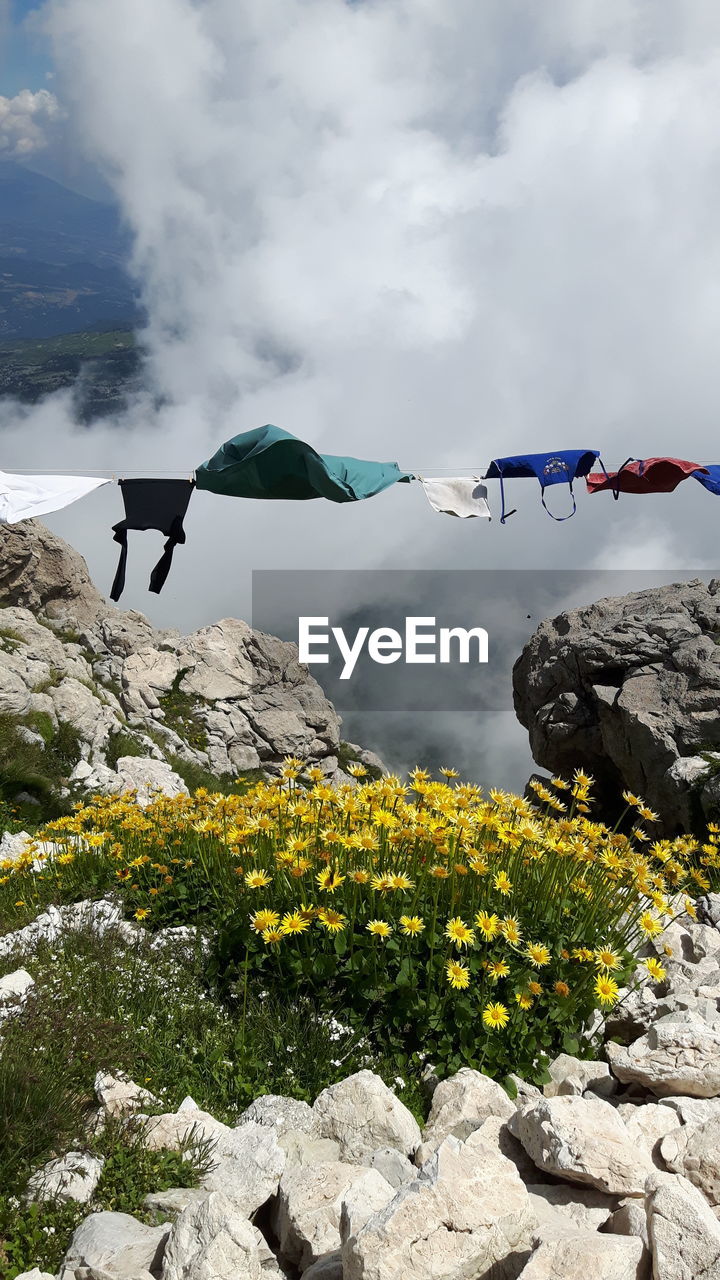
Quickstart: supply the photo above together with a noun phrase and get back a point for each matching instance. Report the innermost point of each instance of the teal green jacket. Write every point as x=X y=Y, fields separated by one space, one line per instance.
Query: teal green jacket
x=272 y=463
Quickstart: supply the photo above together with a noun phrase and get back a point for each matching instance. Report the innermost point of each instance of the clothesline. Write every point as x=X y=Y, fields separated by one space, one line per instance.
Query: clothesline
x=187 y=473
x=270 y=464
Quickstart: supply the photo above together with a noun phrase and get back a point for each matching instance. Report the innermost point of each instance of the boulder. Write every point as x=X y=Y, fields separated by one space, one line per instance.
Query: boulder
x=362 y=1114
x=300 y=1148
x=574 y=1207
x=578 y=1255
x=225 y=698
x=460 y=1104
x=310 y=1202
x=170 y=1203
x=648 y=1125
x=246 y=1162
x=119 y=1096
x=394 y=1167
x=584 y=1141
x=281 y=1114
x=71 y=1177
x=695 y=1153
x=629 y=689
x=117 y=1244
x=328 y=1268
x=466 y=1214
x=212 y=1240
x=673 y=1057
x=684 y=1232
x=569 y=1075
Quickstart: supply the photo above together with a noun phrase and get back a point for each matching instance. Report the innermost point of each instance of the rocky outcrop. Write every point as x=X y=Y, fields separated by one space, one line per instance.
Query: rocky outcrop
x=140 y=706
x=629 y=689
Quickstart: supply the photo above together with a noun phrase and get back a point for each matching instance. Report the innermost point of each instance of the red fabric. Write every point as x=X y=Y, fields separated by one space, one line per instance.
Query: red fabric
x=651 y=475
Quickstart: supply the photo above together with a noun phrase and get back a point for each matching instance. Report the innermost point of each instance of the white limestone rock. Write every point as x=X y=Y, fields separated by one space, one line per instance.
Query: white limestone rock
x=362 y=1114
x=575 y=1207
x=281 y=1114
x=466 y=1214
x=694 y=1151
x=684 y=1232
x=672 y=1058
x=72 y=1177
x=117 y=1244
x=310 y=1203
x=460 y=1104
x=212 y=1240
x=580 y=1255
x=648 y=1125
x=569 y=1075
x=582 y=1140
x=119 y=1096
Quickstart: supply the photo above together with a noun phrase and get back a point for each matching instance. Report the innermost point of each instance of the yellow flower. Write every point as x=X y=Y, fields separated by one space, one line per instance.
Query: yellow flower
x=649 y=925
x=65 y=858
x=263 y=920
x=562 y=989
x=458 y=932
x=360 y=877
x=379 y=928
x=257 y=880
x=495 y=1016
x=498 y=969
x=656 y=970
x=411 y=925
x=511 y=931
x=537 y=954
x=489 y=925
x=439 y=872
x=333 y=921
x=381 y=883
x=458 y=974
x=329 y=880
x=401 y=882
x=606 y=989
x=141 y=913
x=525 y=1001
x=502 y=883
x=607 y=959
x=630 y=798
x=535 y=988
x=449 y=773
x=294 y=922
x=272 y=935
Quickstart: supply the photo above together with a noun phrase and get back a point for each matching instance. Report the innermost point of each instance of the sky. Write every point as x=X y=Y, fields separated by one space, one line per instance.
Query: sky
x=429 y=231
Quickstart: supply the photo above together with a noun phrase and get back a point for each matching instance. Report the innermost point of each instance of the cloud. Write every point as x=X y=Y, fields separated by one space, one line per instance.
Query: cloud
x=25 y=122
x=427 y=230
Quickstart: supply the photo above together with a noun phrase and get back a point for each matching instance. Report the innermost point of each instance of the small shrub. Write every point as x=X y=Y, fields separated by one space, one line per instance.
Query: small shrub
x=120 y=744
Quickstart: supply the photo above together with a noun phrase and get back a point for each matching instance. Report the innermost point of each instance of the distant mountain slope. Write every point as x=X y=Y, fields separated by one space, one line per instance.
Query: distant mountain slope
x=102 y=368
x=62 y=260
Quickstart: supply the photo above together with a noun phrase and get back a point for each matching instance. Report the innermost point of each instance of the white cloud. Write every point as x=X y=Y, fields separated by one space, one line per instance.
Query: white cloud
x=428 y=230
x=25 y=121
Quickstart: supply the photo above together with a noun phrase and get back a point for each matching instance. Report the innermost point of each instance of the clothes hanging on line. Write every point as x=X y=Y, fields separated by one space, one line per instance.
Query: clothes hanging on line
x=561 y=467
x=152 y=504
x=456 y=496
x=645 y=475
x=272 y=463
x=24 y=497
x=709 y=477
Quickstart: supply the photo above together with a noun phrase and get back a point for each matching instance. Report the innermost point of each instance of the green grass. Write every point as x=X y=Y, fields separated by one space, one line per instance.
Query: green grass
x=181 y=711
x=102 y=1004
x=37 y=770
x=120 y=744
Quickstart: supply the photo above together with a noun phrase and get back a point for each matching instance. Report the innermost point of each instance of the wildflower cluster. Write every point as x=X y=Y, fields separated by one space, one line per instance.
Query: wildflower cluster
x=481 y=928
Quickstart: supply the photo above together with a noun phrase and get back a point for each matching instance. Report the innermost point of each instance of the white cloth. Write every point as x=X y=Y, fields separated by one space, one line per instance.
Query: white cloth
x=22 y=497
x=457 y=496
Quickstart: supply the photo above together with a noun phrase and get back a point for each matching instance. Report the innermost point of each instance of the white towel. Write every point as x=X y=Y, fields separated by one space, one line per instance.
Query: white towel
x=22 y=497
x=457 y=496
